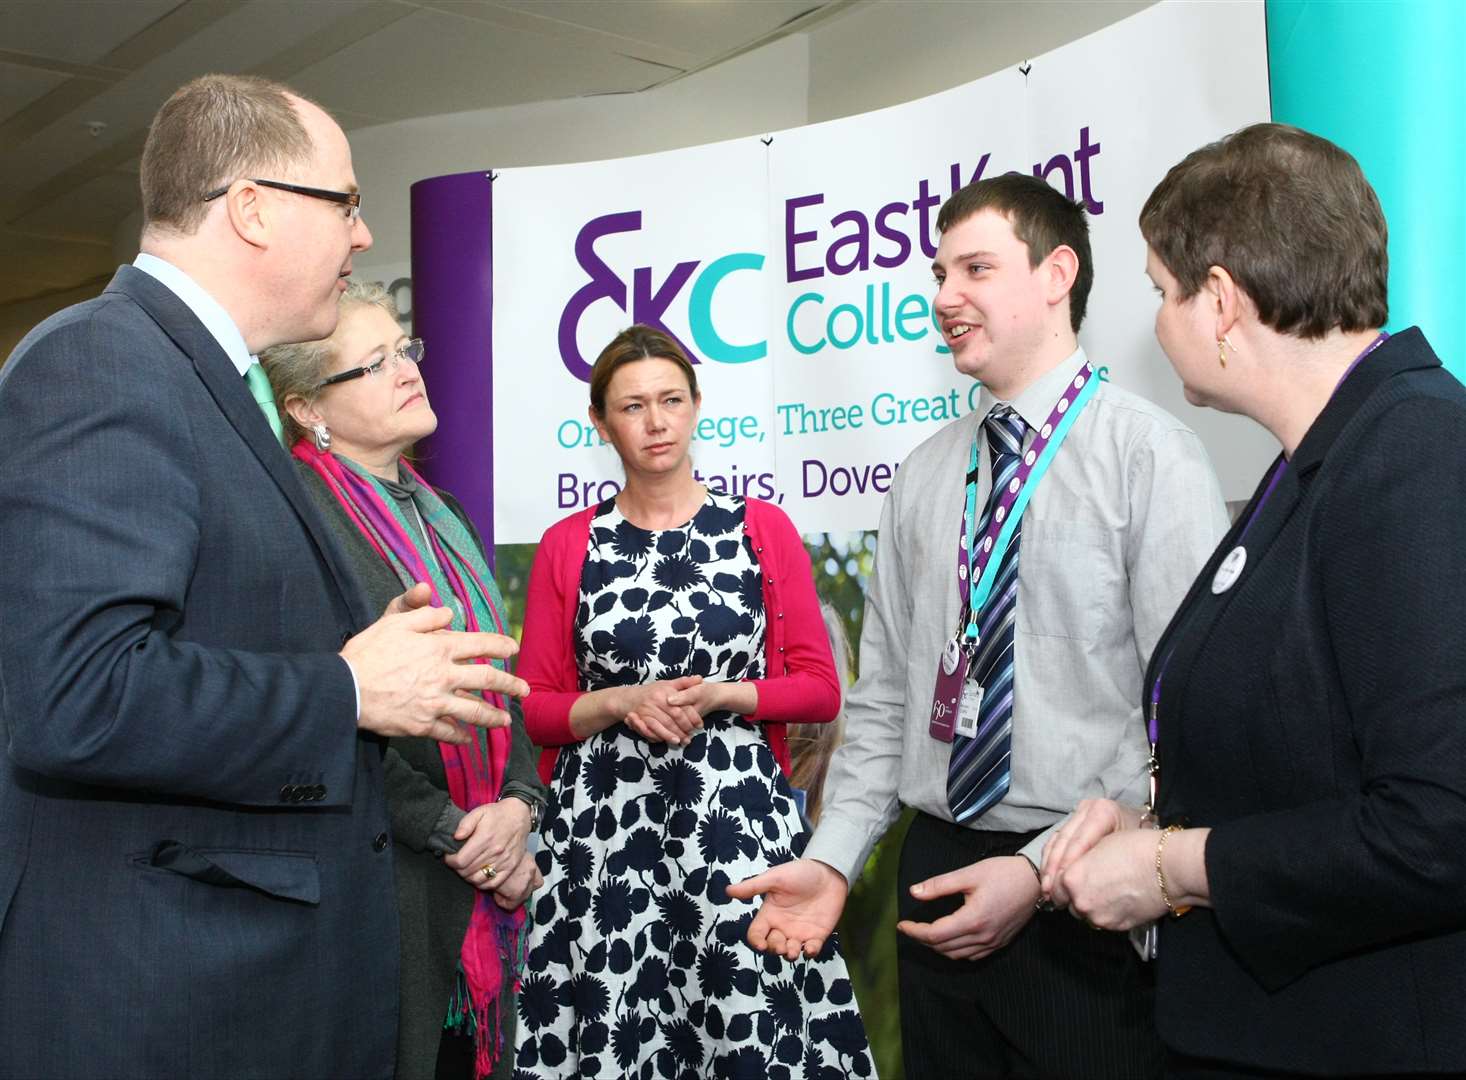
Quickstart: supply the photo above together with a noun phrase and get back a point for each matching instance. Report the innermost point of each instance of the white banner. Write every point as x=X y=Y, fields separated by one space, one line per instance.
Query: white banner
x=796 y=269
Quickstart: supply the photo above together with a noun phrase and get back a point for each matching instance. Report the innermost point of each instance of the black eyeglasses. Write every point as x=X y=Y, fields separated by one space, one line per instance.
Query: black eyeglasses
x=349 y=199
x=413 y=350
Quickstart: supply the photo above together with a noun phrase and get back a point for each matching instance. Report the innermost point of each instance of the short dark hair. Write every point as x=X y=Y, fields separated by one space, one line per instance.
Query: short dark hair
x=636 y=342
x=1041 y=217
x=1290 y=216
x=211 y=132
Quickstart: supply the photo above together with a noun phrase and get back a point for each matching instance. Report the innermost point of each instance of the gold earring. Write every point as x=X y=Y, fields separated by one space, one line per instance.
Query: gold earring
x=1222 y=353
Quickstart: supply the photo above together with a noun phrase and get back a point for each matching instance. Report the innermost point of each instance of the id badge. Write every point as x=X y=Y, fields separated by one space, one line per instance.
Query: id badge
x=947 y=697
x=970 y=708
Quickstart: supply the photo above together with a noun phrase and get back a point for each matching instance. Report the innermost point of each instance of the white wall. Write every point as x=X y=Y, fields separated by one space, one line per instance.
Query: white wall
x=892 y=51
x=764 y=90
x=17 y=318
x=872 y=55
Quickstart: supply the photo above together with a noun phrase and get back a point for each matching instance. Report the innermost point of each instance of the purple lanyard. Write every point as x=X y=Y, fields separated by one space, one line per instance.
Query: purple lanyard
x=1014 y=499
x=1152 y=723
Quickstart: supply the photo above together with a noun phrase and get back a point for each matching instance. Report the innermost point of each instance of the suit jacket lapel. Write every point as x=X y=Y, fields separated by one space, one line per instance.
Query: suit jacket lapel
x=1406 y=351
x=231 y=393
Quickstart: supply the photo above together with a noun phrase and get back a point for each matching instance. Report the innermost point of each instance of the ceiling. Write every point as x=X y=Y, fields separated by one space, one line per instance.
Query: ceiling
x=81 y=79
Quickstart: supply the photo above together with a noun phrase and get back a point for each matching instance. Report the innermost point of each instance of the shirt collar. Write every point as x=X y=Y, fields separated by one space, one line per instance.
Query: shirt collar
x=205 y=308
x=1035 y=403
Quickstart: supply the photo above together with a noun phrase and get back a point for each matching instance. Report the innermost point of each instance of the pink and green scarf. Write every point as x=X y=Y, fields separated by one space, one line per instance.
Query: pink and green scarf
x=452 y=567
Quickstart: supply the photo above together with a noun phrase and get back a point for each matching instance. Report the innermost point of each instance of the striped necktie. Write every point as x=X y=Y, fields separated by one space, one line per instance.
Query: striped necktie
x=259 y=387
x=979 y=768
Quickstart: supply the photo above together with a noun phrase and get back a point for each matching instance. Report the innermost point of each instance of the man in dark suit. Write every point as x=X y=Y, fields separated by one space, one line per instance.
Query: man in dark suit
x=195 y=871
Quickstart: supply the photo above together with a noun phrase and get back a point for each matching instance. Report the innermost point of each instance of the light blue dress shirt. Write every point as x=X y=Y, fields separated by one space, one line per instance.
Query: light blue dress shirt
x=208 y=310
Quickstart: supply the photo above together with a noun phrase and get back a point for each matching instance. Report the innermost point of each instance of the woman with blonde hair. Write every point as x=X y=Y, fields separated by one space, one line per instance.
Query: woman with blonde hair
x=352 y=405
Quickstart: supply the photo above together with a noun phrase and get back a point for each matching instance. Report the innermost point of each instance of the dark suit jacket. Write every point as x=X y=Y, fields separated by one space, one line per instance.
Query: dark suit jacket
x=434 y=903
x=195 y=877
x=1314 y=716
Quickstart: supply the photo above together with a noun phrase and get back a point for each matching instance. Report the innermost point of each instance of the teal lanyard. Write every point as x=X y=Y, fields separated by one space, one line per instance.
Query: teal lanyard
x=1012 y=503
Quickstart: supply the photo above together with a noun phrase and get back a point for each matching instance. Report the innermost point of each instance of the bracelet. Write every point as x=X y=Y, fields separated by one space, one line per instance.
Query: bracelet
x=1160 y=872
x=1041 y=904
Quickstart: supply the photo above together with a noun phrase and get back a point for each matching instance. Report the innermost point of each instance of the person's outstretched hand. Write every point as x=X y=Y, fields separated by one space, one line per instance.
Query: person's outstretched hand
x=802 y=903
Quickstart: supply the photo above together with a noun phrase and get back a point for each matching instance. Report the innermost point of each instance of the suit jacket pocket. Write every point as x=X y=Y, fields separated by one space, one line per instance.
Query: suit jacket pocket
x=287 y=875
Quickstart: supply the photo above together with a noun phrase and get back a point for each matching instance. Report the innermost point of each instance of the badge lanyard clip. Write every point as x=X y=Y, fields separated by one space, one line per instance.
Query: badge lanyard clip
x=975 y=587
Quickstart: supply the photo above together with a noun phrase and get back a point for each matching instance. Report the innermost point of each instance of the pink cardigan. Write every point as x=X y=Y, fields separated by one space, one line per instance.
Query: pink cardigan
x=801 y=687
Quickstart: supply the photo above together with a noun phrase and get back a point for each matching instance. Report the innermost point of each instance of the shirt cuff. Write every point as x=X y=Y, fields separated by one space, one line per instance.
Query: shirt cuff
x=841 y=846
x=1034 y=849
x=355 y=686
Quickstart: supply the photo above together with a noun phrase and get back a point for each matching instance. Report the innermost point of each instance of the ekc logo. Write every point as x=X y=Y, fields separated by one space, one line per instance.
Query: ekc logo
x=649 y=301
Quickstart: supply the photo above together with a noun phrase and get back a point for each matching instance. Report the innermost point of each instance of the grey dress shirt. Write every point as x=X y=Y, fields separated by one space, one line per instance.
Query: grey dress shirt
x=1115 y=533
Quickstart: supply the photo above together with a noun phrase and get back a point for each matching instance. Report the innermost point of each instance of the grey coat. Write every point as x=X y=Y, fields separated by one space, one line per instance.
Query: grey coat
x=434 y=902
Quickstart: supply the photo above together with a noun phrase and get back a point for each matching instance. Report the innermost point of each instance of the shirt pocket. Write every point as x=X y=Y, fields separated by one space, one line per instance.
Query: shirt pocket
x=1071 y=580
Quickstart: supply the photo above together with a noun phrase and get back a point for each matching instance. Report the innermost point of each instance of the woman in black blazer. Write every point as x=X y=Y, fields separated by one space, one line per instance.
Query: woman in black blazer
x=1308 y=701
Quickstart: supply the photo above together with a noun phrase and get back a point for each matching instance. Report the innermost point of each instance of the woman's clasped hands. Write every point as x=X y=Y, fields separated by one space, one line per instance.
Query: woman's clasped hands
x=1100 y=865
x=651 y=713
x=493 y=857
x=672 y=710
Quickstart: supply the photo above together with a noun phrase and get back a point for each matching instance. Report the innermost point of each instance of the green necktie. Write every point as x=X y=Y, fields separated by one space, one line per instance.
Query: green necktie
x=259 y=386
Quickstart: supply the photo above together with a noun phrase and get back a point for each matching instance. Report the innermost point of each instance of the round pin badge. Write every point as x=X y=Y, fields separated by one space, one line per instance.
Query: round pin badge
x=1230 y=570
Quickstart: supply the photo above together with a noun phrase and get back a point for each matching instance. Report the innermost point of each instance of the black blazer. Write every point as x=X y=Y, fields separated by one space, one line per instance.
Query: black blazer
x=195 y=873
x=1314 y=716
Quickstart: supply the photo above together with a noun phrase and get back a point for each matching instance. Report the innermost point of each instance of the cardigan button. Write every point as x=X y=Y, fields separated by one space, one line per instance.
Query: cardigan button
x=781 y=614
x=781 y=648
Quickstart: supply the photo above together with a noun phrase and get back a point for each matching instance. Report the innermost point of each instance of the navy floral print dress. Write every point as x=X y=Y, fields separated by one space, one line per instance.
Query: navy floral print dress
x=638 y=965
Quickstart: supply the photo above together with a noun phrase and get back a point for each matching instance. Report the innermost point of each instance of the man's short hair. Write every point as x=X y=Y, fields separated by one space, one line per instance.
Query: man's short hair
x=1041 y=217
x=210 y=133
x=1290 y=216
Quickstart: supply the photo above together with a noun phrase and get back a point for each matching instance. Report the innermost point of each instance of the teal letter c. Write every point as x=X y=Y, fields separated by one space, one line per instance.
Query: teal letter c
x=700 y=310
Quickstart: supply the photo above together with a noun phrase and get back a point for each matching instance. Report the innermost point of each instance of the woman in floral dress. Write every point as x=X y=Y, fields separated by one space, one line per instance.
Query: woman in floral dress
x=670 y=634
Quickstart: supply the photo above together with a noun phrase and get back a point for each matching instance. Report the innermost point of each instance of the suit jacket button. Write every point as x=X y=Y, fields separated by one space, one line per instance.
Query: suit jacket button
x=380 y=842
x=287 y=793
x=345 y=637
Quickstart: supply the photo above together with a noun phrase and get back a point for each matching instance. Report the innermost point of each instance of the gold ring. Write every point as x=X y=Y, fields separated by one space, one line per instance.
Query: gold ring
x=488 y=871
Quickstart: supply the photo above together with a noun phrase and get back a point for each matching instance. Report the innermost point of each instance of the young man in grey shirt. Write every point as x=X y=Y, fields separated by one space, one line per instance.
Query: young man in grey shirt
x=1115 y=510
